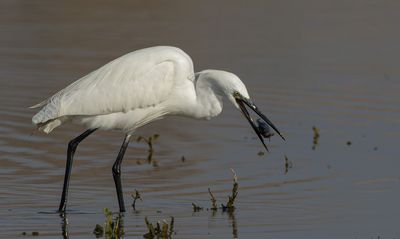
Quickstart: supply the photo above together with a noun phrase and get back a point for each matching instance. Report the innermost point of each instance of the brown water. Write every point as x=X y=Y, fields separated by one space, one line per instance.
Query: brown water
x=332 y=64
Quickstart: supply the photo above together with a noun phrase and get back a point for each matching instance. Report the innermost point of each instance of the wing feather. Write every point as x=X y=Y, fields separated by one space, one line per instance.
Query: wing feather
x=125 y=84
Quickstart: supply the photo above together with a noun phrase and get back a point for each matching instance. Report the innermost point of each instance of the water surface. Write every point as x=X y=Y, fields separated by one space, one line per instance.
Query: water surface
x=329 y=64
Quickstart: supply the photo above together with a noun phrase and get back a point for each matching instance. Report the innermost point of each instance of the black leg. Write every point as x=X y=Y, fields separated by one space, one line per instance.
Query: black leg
x=72 y=145
x=116 y=170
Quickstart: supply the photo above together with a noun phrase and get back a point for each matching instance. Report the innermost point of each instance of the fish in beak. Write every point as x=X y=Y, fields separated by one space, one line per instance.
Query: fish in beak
x=264 y=129
x=243 y=102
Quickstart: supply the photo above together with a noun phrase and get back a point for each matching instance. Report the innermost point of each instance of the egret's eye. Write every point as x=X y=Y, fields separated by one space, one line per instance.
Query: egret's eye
x=236 y=94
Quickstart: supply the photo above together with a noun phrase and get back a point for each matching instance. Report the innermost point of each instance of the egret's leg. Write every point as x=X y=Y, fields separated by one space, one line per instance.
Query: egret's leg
x=72 y=145
x=116 y=170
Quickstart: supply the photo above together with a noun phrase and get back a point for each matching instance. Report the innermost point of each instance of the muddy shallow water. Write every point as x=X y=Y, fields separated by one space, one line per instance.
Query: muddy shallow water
x=329 y=64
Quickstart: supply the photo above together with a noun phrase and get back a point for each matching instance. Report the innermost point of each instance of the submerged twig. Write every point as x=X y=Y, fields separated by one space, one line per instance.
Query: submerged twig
x=136 y=197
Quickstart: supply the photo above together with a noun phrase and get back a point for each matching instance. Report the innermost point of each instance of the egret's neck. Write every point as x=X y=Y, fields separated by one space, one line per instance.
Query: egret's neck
x=209 y=95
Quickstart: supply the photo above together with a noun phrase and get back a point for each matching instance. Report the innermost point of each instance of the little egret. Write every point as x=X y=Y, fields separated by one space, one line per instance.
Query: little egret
x=136 y=89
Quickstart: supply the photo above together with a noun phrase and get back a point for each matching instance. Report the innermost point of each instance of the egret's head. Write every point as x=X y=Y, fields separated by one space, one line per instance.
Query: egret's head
x=243 y=101
x=225 y=84
x=237 y=93
x=235 y=87
x=228 y=85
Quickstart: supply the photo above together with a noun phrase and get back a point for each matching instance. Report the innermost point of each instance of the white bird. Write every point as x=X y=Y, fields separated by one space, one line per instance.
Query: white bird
x=136 y=89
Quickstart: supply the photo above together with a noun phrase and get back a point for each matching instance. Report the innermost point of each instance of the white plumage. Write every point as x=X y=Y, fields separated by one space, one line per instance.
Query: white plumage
x=141 y=81
x=136 y=89
x=131 y=91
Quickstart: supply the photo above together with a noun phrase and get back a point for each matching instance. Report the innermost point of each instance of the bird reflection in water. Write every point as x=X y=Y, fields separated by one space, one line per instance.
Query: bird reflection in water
x=64 y=225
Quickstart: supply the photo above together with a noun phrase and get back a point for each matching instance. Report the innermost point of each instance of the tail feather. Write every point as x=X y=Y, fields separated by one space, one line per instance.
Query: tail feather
x=48 y=117
x=47 y=113
x=38 y=105
x=50 y=125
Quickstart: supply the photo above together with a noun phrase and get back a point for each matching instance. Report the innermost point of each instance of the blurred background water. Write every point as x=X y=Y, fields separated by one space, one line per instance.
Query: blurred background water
x=329 y=64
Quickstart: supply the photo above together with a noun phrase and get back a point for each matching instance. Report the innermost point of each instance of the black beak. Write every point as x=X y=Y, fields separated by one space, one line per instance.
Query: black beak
x=241 y=101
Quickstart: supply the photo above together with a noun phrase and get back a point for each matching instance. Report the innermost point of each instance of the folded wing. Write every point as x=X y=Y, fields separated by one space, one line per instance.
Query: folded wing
x=124 y=84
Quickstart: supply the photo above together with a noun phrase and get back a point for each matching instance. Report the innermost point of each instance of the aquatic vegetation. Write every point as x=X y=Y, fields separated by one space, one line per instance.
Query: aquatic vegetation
x=196 y=207
x=315 y=137
x=164 y=231
x=33 y=233
x=213 y=200
x=148 y=140
x=113 y=228
x=135 y=197
x=231 y=199
x=98 y=231
x=229 y=206
x=288 y=164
